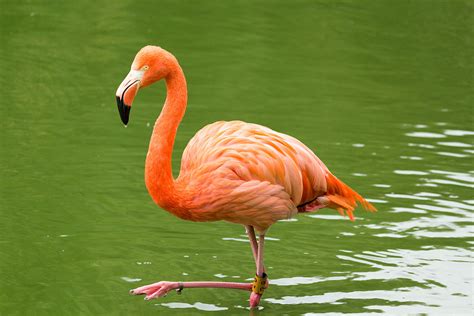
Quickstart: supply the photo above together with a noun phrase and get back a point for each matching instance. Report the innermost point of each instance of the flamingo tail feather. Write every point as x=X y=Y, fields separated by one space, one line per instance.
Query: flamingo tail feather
x=342 y=198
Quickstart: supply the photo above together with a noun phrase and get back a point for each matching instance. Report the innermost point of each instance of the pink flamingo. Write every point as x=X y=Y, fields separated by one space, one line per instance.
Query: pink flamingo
x=234 y=171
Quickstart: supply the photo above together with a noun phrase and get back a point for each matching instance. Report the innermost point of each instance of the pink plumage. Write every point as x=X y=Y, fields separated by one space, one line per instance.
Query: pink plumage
x=249 y=174
x=234 y=171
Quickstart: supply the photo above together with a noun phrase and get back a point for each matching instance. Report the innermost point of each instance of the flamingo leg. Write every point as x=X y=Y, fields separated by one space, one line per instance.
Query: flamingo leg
x=162 y=288
x=253 y=241
x=260 y=268
x=261 y=277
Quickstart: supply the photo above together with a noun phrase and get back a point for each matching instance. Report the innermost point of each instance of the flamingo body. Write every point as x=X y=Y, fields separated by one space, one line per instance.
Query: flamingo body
x=249 y=174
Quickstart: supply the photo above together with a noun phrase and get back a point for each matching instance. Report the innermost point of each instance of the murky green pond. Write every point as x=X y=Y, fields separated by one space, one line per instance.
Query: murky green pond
x=381 y=90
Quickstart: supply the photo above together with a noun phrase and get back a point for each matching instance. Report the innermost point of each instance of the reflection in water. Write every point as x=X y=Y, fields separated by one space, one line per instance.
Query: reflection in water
x=411 y=157
x=425 y=135
x=381 y=185
x=455 y=144
x=376 y=201
x=198 y=306
x=444 y=153
x=421 y=145
x=131 y=280
x=405 y=196
x=451 y=132
x=410 y=172
x=326 y=217
x=303 y=280
x=467 y=177
x=440 y=281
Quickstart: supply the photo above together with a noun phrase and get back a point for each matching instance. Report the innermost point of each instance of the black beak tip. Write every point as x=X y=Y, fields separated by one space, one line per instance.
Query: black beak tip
x=124 y=110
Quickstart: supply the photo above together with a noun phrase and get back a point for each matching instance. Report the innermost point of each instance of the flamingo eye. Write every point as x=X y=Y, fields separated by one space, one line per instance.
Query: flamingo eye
x=145 y=67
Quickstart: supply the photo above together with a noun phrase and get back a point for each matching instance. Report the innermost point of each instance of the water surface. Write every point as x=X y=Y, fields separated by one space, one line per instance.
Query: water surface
x=380 y=90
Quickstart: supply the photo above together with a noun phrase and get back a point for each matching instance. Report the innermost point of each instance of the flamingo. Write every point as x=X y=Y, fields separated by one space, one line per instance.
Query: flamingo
x=234 y=171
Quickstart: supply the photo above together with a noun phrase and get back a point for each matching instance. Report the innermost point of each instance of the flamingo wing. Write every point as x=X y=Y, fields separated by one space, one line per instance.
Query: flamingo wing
x=236 y=167
x=255 y=152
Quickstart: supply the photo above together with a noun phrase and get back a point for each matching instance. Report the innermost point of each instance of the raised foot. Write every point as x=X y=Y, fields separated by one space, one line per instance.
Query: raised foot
x=155 y=290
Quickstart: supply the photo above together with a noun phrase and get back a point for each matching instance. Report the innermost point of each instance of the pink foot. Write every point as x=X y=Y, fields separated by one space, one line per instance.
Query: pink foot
x=155 y=290
x=254 y=299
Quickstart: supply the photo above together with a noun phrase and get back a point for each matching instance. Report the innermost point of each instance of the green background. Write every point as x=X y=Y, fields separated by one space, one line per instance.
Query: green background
x=382 y=91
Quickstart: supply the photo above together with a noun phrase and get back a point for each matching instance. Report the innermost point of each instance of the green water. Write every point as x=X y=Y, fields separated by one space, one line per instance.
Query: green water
x=381 y=90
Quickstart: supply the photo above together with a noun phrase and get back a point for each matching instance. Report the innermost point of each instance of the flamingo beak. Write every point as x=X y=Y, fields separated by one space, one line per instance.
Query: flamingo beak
x=126 y=92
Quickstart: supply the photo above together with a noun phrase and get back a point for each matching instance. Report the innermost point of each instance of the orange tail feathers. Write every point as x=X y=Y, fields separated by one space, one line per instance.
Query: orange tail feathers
x=342 y=198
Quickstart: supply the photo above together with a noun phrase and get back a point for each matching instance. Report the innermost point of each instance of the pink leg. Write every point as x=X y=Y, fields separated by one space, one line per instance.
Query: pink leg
x=254 y=297
x=253 y=241
x=162 y=288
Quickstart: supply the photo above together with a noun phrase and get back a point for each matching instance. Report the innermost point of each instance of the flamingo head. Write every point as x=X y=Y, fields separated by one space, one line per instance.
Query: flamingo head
x=152 y=63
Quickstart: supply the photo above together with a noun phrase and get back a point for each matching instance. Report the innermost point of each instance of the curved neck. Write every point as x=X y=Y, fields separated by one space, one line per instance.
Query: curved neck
x=158 y=168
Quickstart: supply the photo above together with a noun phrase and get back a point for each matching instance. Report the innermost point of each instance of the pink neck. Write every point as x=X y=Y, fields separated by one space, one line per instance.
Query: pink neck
x=158 y=168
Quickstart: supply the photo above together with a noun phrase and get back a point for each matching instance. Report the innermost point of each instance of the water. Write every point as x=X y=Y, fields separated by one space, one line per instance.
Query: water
x=382 y=91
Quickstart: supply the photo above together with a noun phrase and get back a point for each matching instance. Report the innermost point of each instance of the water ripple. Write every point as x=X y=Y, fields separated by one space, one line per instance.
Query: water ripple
x=452 y=132
x=425 y=135
x=304 y=280
x=411 y=172
x=405 y=196
x=198 y=306
x=455 y=175
x=436 y=274
x=455 y=144
x=450 y=154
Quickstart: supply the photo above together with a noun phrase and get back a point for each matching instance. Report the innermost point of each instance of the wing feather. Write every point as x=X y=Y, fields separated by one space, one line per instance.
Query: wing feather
x=255 y=152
